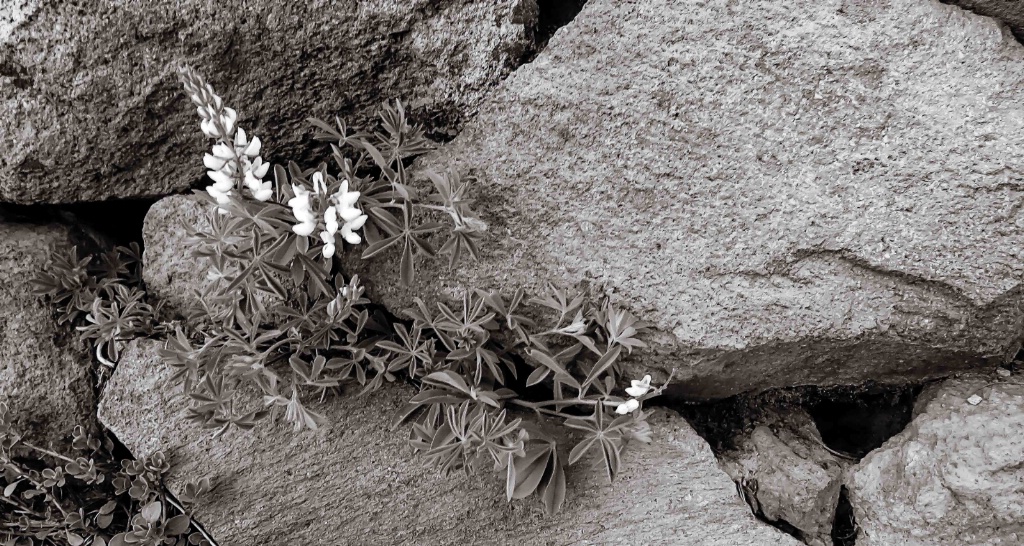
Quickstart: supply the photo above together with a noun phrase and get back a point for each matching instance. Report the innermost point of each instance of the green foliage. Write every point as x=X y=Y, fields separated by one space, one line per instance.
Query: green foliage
x=84 y=499
x=523 y=385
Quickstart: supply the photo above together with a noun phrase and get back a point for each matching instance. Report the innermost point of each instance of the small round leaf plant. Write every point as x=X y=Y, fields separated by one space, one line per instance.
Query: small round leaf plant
x=495 y=375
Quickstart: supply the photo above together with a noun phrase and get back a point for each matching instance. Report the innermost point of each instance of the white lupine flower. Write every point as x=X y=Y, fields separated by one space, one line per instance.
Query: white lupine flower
x=353 y=217
x=209 y=128
x=639 y=388
x=300 y=209
x=213 y=162
x=265 y=192
x=629 y=405
x=253 y=149
x=221 y=180
x=228 y=119
x=328 y=239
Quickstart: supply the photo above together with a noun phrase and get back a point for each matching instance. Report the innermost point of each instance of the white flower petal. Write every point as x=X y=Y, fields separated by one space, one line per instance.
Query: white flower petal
x=349 y=214
x=356 y=223
x=328 y=251
x=213 y=162
x=304 y=229
x=259 y=169
x=264 y=194
x=637 y=391
x=240 y=140
x=627 y=406
x=221 y=179
x=209 y=128
x=352 y=238
x=223 y=151
x=253 y=149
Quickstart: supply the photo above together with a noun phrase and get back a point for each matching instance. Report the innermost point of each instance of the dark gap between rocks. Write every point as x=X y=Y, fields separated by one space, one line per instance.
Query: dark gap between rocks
x=852 y=421
x=861 y=424
x=844 y=526
x=552 y=15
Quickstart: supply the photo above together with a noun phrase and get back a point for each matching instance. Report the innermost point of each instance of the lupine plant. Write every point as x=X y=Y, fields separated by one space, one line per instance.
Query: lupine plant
x=85 y=499
x=102 y=290
x=509 y=383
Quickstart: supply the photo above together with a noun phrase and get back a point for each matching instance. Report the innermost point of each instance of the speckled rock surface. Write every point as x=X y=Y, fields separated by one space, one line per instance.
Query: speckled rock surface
x=91 y=109
x=787 y=474
x=955 y=476
x=44 y=375
x=801 y=193
x=1010 y=12
x=169 y=270
x=355 y=482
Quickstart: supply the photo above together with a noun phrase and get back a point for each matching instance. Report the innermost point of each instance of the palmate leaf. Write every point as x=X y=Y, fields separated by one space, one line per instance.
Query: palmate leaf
x=539 y=470
x=603 y=437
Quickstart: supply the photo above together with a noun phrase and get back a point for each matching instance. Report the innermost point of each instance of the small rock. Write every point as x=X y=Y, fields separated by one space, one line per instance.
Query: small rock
x=45 y=376
x=171 y=274
x=974 y=400
x=954 y=476
x=355 y=482
x=788 y=475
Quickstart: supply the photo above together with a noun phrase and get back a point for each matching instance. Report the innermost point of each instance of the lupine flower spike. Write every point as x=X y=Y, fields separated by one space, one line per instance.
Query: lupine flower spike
x=341 y=207
x=235 y=159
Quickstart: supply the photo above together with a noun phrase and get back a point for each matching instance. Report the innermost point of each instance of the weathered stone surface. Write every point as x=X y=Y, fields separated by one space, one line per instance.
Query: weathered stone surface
x=44 y=377
x=788 y=475
x=90 y=106
x=169 y=270
x=954 y=476
x=1010 y=12
x=810 y=193
x=355 y=482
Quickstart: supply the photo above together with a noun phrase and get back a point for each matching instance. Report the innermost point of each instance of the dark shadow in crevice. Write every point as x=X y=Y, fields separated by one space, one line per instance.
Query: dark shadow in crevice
x=858 y=425
x=852 y=420
x=844 y=526
x=553 y=15
x=97 y=225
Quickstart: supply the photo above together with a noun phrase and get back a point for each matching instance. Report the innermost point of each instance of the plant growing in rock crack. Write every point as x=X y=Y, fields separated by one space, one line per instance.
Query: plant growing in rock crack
x=85 y=499
x=279 y=316
x=100 y=294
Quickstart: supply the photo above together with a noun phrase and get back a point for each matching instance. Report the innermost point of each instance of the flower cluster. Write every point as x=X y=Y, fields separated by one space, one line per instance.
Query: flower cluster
x=340 y=206
x=636 y=390
x=235 y=159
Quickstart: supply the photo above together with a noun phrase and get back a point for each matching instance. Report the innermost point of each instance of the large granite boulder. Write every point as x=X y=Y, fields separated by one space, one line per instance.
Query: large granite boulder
x=801 y=193
x=91 y=108
x=355 y=482
x=787 y=474
x=45 y=376
x=956 y=474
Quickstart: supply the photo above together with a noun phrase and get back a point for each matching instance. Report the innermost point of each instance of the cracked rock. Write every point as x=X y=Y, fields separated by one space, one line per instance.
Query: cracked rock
x=787 y=475
x=820 y=193
x=956 y=474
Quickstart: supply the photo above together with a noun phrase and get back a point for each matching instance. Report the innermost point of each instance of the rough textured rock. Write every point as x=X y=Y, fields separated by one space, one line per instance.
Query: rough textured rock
x=1010 y=12
x=44 y=376
x=356 y=483
x=170 y=272
x=104 y=73
x=810 y=193
x=788 y=475
x=954 y=476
